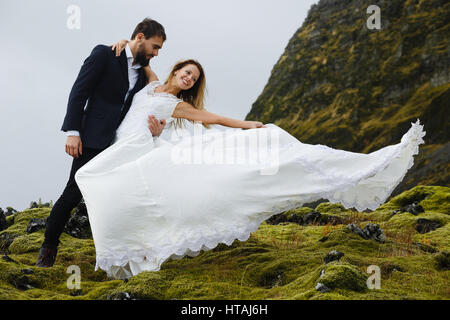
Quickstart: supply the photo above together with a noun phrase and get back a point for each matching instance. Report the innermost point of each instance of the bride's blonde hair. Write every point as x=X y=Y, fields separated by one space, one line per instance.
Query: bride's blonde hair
x=195 y=95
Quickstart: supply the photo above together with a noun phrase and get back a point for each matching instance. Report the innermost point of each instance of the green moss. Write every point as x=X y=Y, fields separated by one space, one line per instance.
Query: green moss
x=27 y=243
x=299 y=212
x=146 y=285
x=9 y=220
x=22 y=219
x=443 y=260
x=408 y=220
x=331 y=208
x=341 y=275
x=277 y=262
x=431 y=198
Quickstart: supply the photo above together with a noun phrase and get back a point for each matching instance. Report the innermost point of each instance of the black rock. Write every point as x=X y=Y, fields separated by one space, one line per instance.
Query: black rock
x=322 y=272
x=282 y=217
x=81 y=209
x=10 y=211
x=76 y=292
x=443 y=260
x=5 y=241
x=333 y=256
x=27 y=271
x=21 y=282
x=33 y=205
x=425 y=225
x=277 y=219
x=312 y=217
x=334 y=220
x=370 y=231
x=35 y=225
x=322 y=288
x=374 y=232
x=357 y=230
x=3 y=223
x=78 y=225
x=121 y=296
x=8 y=259
x=413 y=208
x=295 y=218
x=315 y=217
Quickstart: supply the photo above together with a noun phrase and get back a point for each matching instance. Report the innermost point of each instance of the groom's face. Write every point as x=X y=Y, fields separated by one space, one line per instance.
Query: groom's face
x=147 y=48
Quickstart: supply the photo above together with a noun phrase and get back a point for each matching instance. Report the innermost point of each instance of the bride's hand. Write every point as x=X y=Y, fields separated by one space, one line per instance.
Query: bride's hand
x=119 y=46
x=254 y=124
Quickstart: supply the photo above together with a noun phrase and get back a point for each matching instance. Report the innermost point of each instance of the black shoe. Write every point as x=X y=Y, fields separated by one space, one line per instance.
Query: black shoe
x=46 y=257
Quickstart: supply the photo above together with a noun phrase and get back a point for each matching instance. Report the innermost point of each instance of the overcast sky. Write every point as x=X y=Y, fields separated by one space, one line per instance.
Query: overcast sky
x=237 y=42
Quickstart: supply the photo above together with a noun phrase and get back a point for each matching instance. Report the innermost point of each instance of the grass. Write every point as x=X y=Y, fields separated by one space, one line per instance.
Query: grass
x=281 y=261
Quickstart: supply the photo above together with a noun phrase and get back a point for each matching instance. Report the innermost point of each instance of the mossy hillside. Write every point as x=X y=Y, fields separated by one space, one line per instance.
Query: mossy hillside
x=342 y=85
x=341 y=275
x=282 y=261
x=429 y=197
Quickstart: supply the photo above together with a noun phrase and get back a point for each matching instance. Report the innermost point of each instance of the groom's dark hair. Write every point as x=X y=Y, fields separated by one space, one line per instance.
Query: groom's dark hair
x=149 y=28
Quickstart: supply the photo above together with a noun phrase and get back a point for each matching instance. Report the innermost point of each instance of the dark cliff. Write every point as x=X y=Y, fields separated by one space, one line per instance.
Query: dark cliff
x=340 y=84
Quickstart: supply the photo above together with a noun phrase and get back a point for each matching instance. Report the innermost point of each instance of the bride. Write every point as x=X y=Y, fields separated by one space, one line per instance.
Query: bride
x=151 y=199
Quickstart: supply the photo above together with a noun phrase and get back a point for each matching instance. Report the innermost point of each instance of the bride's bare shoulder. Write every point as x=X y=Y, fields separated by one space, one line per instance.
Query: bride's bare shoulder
x=183 y=109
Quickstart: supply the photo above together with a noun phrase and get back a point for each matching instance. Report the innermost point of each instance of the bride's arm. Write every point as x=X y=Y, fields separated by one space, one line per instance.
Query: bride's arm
x=187 y=111
x=151 y=76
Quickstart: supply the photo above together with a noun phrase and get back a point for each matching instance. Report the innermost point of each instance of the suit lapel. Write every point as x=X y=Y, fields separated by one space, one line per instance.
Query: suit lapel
x=124 y=66
x=138 y=86
x=141 y=80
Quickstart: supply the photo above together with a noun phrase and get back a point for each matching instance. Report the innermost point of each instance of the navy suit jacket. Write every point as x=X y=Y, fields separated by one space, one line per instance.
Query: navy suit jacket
x=103 y=83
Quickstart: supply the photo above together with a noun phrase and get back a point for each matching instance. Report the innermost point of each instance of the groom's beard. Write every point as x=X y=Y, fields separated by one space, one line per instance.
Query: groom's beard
x=142 y=59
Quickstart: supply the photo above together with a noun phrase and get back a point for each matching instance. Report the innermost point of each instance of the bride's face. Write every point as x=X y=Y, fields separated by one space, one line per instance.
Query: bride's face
x=187 y=76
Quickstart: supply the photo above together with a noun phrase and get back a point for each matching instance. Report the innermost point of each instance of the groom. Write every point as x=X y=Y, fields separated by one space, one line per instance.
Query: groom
x=108 y=84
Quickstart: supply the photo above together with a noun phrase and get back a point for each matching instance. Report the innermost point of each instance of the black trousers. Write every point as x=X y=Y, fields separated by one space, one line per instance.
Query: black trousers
x=69 y=199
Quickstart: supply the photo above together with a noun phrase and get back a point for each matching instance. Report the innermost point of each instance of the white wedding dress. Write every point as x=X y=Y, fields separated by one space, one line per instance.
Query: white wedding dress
x=153 y=199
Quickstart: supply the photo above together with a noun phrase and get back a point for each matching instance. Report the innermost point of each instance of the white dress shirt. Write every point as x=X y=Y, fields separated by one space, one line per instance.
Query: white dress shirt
x=133 y=75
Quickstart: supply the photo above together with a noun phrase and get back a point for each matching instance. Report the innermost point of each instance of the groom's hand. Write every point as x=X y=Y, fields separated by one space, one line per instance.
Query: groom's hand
x=74 y=146
x=155 y=126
